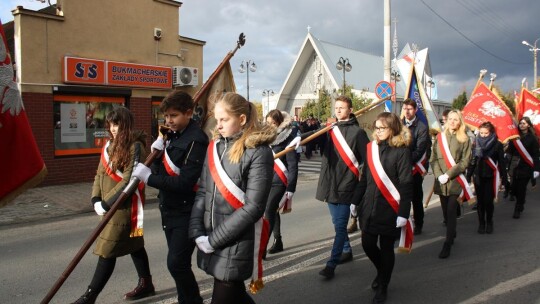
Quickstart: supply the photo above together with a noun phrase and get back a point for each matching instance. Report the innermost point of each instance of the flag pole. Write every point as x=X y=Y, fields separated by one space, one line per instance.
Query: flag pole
x=327 y=128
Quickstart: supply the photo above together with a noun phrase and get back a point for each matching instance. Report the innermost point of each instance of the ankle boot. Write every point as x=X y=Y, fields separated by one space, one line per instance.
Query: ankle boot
x=489 y=228
x=276 y=247
x=445 y=252
x=517 y=213
x=380 y=295
x=144 y=289
x=89 y=297
x=353 y=227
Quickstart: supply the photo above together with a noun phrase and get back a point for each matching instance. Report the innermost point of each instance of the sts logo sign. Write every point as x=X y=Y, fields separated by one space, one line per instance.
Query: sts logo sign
x=84 y=70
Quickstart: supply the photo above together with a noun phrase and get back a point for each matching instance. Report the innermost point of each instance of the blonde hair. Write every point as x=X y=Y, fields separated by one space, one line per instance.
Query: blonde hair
x=236 y=105
x=461 y=134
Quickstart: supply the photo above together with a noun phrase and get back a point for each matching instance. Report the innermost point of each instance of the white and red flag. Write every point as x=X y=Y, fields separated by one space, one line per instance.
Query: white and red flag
x=21 y=162
x=484 y=105
x=528 y=105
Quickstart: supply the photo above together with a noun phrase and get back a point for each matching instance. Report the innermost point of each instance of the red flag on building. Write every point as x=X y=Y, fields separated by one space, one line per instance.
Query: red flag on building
x=529 y=106
x=484 y=105
x=21 y=162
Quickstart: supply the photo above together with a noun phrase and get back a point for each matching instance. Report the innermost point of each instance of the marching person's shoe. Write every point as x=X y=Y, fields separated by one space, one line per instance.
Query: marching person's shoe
x=144 y=289
x=482 y=228
x=276 y=247
x=375 y=284
x=89 y=297
x=353 y=227
x=489 y=228
x=380 y=295
x=517 y=213
x=445 y=252
x=327 y=272
x=417 y=230
x=345 y=257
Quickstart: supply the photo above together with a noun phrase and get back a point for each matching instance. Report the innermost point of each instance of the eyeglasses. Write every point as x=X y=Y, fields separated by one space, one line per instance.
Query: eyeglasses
x=379 y=129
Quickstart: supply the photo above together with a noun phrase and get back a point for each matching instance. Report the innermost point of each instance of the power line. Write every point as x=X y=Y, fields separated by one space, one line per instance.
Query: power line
x=468 y=39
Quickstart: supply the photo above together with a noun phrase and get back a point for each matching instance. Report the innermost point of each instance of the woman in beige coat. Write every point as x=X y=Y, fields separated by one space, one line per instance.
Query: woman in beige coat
x=123 y=234
x=450 y=176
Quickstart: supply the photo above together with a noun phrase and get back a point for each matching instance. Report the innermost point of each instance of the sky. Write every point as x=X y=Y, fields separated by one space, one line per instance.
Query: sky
x=463 y=36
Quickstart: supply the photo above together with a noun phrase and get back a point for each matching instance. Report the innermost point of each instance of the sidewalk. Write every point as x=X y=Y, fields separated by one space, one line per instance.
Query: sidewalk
x=53 y=201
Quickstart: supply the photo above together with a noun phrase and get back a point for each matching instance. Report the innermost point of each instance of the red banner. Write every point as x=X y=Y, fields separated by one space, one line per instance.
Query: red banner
x=483 y=106
x=529 y=106
x=22 y=165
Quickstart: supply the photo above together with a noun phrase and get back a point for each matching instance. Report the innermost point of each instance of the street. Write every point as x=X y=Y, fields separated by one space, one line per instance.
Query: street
x=500 y=268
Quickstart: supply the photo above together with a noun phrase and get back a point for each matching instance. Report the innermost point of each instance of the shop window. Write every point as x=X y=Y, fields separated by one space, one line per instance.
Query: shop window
x=157 y=119
x=79 y=123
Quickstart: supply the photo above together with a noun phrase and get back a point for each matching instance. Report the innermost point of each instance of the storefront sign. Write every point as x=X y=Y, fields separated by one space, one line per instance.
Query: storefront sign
x=103 y=72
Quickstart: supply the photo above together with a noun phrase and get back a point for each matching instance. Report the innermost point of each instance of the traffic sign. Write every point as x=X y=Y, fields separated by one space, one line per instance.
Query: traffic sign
x=383 y=89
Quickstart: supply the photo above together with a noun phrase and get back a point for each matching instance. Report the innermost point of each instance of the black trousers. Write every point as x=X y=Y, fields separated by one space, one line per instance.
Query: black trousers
x=105 y=268
x=519 y=189
x=484 y=200
x=449 y=206
x=417 y=201
x=233 y=292
x=383 y=258
x=271 y=214
x=179 y=261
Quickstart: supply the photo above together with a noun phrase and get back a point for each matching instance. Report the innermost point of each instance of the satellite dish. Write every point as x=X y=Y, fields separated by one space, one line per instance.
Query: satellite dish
x=186 y=76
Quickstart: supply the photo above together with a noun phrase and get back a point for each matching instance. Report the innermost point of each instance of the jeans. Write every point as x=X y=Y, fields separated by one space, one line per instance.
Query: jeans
x=340 y=217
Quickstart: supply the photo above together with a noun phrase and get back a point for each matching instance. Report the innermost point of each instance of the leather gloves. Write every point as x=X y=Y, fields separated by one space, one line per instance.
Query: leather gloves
x=203 y=244
x=142 y=172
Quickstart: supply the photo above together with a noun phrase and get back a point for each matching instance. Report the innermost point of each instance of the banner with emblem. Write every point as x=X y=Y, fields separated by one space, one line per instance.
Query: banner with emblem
x=484 y=105
x=528 y=105
x=22 y=164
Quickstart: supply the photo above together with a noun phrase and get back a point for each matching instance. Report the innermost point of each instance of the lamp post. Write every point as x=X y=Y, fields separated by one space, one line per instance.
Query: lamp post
x=267 y=93
x=343 y=64
x=533 y=49
x=249 y=66
x=396 y=77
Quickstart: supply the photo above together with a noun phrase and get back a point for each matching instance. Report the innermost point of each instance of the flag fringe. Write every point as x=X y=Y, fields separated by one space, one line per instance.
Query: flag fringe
x=32 y=182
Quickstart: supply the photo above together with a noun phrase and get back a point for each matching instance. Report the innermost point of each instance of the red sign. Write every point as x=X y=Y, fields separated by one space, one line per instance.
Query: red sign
x=102 y=72
x=138 y=75
x=84 y=70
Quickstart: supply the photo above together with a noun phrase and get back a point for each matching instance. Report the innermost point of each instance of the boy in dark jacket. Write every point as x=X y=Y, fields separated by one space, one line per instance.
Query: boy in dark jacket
x=176 y=175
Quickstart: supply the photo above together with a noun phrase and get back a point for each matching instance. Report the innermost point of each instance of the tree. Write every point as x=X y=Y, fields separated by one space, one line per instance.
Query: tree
x=460 y=101
x=259 y=107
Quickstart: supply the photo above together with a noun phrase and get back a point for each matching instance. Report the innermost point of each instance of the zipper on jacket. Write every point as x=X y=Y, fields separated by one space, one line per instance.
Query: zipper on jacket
x=215 y=188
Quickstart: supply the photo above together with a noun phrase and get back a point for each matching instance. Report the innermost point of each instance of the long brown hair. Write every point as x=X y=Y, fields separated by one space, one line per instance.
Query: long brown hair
x=237 y=105
x=393 y=122
x=121 y=144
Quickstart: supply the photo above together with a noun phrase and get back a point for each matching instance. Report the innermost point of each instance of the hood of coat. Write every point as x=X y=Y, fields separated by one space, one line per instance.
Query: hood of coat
x=403 y=139
x=264 y=136
x=139 y=136
x=284 y=129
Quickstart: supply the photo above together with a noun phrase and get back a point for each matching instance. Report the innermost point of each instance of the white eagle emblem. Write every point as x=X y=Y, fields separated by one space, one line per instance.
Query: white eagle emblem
x=489 y=108
x=10 y=98
x=533 y=115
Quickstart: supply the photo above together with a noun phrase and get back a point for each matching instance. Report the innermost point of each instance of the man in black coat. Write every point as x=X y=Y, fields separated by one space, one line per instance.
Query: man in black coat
x=420 y=152
x=176 y=176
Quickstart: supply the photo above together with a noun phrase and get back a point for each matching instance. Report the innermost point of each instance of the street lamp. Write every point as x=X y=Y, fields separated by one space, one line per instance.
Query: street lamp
x=343 y=64
x=268 y=93
x=396 y=77
x=249 y=66
x=533 y=49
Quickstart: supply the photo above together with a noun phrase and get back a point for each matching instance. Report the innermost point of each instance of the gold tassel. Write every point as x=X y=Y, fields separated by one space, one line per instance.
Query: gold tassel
x=256 y=286
x=404 y=250
x=136 y=232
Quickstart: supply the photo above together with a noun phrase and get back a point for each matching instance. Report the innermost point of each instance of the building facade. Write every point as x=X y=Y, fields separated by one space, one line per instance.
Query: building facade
x=80 y=59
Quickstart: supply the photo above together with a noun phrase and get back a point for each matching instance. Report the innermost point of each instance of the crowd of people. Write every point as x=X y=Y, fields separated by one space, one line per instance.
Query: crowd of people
x=224 y=195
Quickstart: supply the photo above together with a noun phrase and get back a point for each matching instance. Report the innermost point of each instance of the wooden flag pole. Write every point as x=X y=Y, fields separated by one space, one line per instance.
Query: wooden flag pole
x=327 y=128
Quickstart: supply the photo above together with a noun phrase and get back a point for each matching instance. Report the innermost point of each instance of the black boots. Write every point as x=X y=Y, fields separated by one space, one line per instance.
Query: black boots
x=482 y=228
x=380 y=295
x=89 y=297
x=327 y=272
x=144 y=289
x=489 y=228
x=445 y=252
x=517 y=211
x=276 y=247
x=375 y=284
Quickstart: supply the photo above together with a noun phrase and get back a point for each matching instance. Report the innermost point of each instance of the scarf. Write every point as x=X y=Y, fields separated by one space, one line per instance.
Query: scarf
x=484 y=145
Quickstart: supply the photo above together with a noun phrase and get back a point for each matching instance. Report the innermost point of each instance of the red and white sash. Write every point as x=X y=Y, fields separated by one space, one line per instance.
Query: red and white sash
x=419 y=166
x=285 y=204
x=137 y=199
x=496 y=177
x=170 y=167
x=236 y=198
x=527 y=158
x=390 y=193
x=450 y=162
x=345 y=151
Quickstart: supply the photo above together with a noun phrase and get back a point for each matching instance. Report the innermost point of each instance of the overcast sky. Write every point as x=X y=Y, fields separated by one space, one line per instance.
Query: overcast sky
x=463 y=36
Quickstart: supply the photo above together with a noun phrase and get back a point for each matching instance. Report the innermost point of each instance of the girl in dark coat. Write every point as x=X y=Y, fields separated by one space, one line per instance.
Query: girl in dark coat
x=488 y=155
x=521 y=167
x=380 y=222
x=120 y=236
x=226 y=219
x=283 y=183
